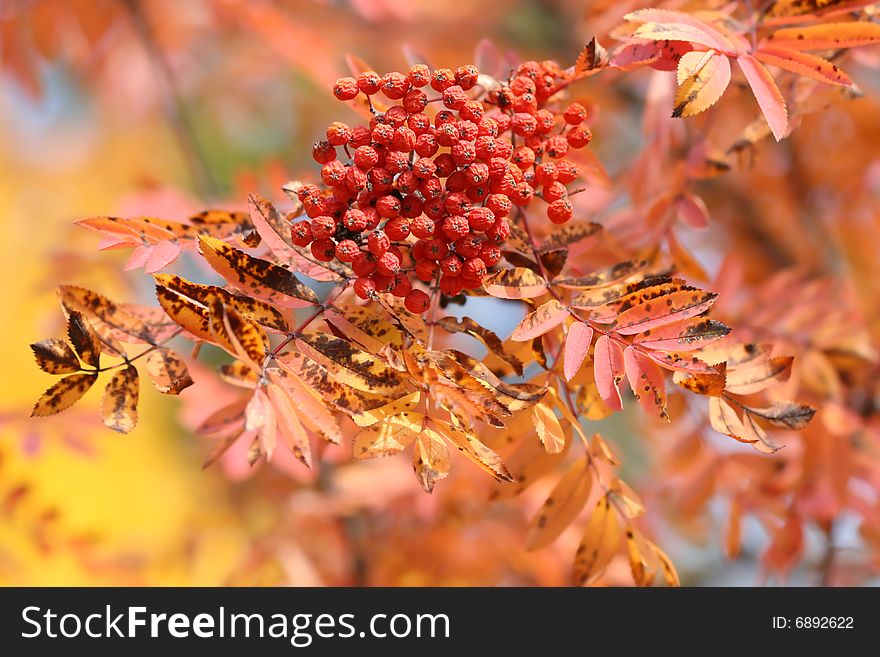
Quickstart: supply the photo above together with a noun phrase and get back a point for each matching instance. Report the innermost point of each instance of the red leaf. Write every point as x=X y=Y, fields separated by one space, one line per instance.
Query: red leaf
x=802 y=63
x=646 y=380
x=767 y=94
x=544 y=318
x=577 y=344
x=609 y=370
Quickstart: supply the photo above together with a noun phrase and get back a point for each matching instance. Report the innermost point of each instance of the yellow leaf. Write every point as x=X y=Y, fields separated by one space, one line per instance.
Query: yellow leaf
x=468 y=444
x=430 y=459
x=64 y=394
x=702 y=78
x=289 y=425
x=561 y=507
x=119 y=403
x=390 y=436
x=548 y=428
x=599 y=543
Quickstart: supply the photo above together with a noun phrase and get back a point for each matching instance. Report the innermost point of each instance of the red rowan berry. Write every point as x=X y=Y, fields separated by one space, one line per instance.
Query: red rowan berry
x=364 y=264
x=526 y=103
x=301 y=233
x=424 y=168
x=383 y=282
x=333 y=173
x=355 y=220
x=388 y=206
x=407 y=182
x=434 y=209
x=418 y=122
x=579 y=136
x=554 y=191
x=474 y=269
x=457 y=182
x=450 y=265
x=546 y=121
x=422 y=227
x=468 y=246
x=468 y=130
x=575 y=114
x=314 y=205
x=447 y=134
x=487 y=127
x=443 y=117
x=323 y=152
x=490 y=254
x=402 y=286
x=455 y=226
x=477 y=193
x=472 y=110
x=345 y=88
x=395 y=85
x=382 y=133
x=499 y=232
x=503 y=148
x=372 y=218
x=419 y=75
x=556 y=147
x=396 y=116
x=523 y=194
x=436 y=248
x=523 y=157
x=457 y=203
x=451 y=285
x=404 y=139
x=360 y=136
x=364 y=287
x=522 y=85
x=366 y=157
x=415 y=101
x=431 y=188
x=411 y=206
x=378 y=242
x=381 y=179
x=559 y=211
x=503 y=120
x=397 y=229
x=466 y=76
x=426 y=145
x=369 y=82
x=324 y=249
x=568 y=172
x=546 y=173
x=426 y=270
x=347 y=250
x=463 y=153
x=442 y=79
x=485 y=147
x=477 y=174
x=480 y=219
x=338 y=133
x=444 y=165
x=417 y=301
x=523 y=124
x=323 y=226
x=417 y=251
x=388 y=264
x=396 y=162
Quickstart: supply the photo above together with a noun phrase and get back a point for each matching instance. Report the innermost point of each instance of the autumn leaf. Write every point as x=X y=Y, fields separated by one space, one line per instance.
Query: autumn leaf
x=259 y=278
x=571 y=233
x=647 y=381
x=350 y=365
x=64 y=394
x=592 y=58
x=168 y=371
x=667 y=25
x=747 y=379
x=663 y=310
x=55 y=356
x=609 y=370
x=289 y=425
x=767 y=94
x=469 y=445
x=260 y=418
x=561 y=507
x=827 y=36
x=545 y=318
x=243 y=339
x=577 y=345
x=599 y=543
x=93 y=304
x=431 y=460
x=83 y=338
x=702 y=80
x=120 y=399
x=390 y=436
x=685 y=335
x=516 y=283
x=548 y=428
x=786 y=415
x=484 y=335
x=802 y=63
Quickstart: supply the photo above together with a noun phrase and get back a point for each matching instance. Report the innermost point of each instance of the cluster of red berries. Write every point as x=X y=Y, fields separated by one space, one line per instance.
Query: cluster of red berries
x=430 y=193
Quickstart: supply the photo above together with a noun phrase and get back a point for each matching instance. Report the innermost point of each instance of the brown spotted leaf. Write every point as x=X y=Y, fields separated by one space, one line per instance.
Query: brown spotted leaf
x=802 y=63
x=561 y=507
x=571 y=233
x=55 y=356
x=786 y=415
x=84 y=339
x=545 y=318
x=120 y=400
x=489 y=338
x=388 y=437
x=599 y=543
x=702 y=79
x=469 y=445
x=827 y=36
x=606 y=276
x=187 y=314
x=351 y=366
x=258 y=278
x=515 y=283
x=431 y=460
x=243 y=339
x=703 y=383
x=748 y=379
x=122 y=324
x=646 y=381
x=687 y=335
x=168 y=371
x=663 y=310
x=64 y=394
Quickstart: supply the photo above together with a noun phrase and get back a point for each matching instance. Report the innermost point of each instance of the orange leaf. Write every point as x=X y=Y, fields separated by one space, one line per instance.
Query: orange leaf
x=811 y=66
x=702 y=79
x=561 y=507
x=767 y=94
x=827 y=36
x=545 y=318
x=647 y=381
x=599 y=543
x=516 y=283
x=608 y=370
x=577 y=345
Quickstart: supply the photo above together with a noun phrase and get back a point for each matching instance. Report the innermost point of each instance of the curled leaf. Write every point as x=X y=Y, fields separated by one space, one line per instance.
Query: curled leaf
x=55 y=356
x=119 y=403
